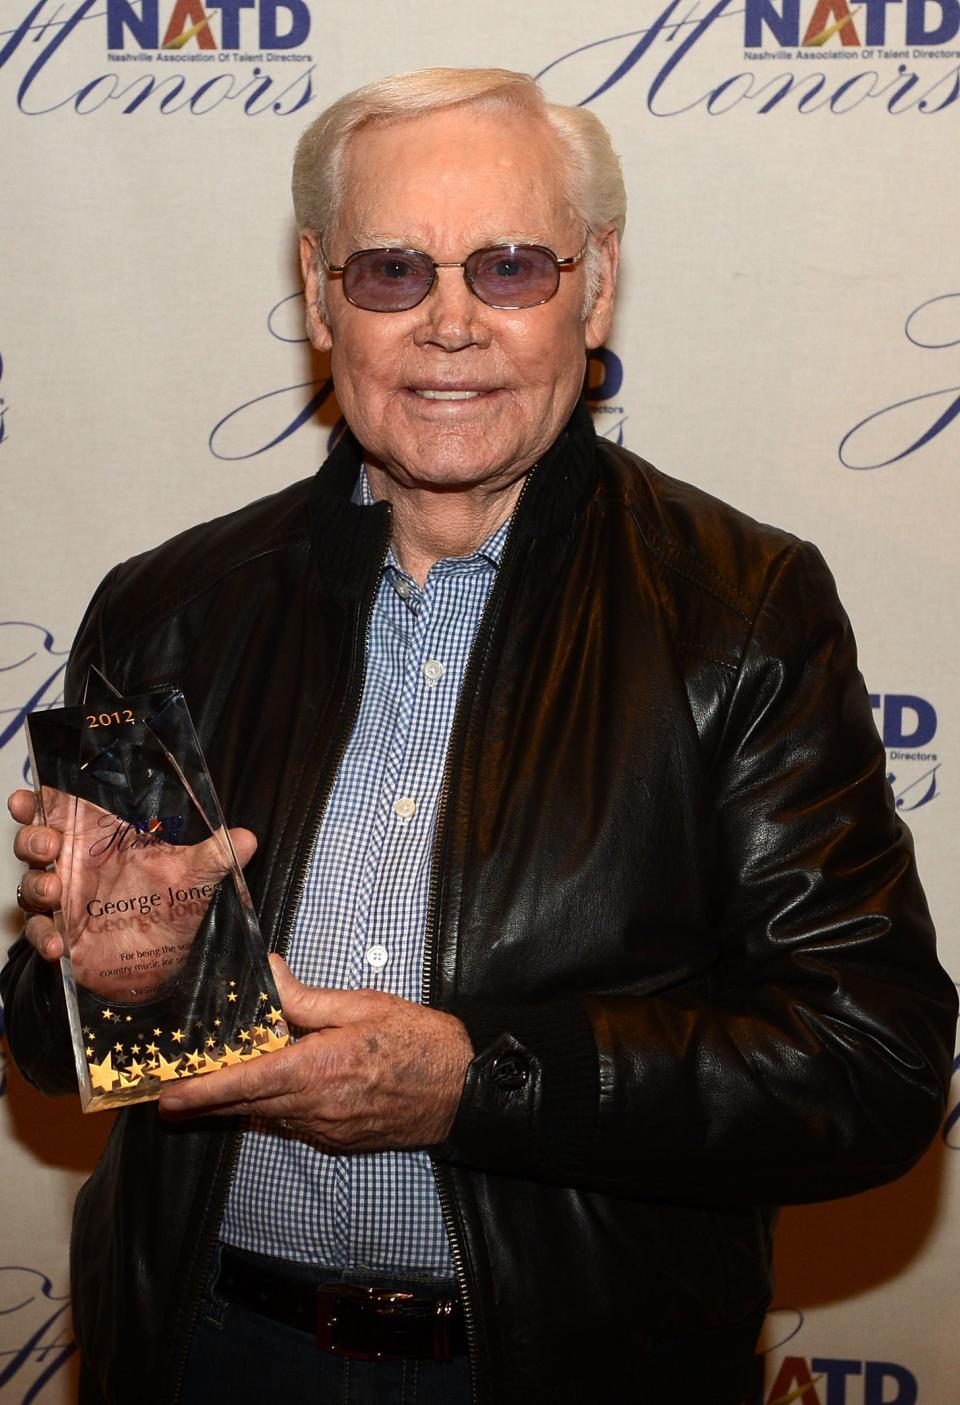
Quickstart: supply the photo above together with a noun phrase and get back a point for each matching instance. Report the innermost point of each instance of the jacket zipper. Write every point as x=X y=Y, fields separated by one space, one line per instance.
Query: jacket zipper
x=306 y=851
x=283 y=939
x=467 y=689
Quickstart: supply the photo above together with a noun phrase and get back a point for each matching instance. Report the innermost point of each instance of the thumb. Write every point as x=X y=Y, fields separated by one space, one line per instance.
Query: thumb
x=244 y=845
x=309 y=1006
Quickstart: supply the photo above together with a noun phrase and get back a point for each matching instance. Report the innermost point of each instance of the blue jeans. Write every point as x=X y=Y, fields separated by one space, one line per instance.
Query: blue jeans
x=237 y=1354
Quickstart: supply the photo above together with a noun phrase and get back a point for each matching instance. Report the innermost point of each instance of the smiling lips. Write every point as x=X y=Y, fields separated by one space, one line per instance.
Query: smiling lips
x=458 y=393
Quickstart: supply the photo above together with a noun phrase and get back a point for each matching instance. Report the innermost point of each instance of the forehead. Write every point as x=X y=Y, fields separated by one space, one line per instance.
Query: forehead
x=454 y=176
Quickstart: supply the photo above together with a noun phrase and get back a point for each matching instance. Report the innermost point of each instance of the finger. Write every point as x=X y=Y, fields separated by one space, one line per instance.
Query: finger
x=22 y=805
x=311 y=1006
x=244 y=845
x=44 y=937
x=37 y=845
x=243 y=1089
x=40 y=891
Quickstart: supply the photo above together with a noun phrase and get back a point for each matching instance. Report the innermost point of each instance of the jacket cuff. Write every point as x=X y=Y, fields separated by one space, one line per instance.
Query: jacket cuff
x=530 y=1099
x=35 y=1019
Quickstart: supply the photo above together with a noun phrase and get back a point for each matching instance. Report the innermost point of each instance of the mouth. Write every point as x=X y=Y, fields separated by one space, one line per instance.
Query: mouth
x=448 y=394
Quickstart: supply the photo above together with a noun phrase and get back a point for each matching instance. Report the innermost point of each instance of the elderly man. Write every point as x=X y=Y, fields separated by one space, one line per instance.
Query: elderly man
x=573 y=828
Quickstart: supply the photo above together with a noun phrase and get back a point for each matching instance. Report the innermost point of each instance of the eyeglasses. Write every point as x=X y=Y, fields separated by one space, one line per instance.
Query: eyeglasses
x=505 y=276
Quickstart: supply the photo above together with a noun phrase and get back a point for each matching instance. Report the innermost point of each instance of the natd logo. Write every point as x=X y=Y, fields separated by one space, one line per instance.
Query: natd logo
x=908 y=725
x=216 y=24
x=603 y=382
x=828 y=1380
x=871 y=24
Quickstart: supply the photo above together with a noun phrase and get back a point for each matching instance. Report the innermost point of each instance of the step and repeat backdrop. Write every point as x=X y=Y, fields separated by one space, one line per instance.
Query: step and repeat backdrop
x=788 y=336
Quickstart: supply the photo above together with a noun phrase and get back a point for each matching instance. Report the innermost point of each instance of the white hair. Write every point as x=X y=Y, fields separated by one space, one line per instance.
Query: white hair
x=592 y=176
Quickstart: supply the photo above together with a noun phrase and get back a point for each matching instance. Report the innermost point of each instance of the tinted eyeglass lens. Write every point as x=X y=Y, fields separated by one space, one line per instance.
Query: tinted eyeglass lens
x=513 y=276
x=387 y=280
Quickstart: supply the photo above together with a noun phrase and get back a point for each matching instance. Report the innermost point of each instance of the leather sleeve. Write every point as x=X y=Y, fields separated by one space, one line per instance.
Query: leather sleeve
x=814 y=1062
x=34 y=1009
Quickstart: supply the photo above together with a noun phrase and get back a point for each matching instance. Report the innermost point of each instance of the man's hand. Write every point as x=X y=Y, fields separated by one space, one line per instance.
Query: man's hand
x=38 y=846
x=374 y=1072
x=101 y=866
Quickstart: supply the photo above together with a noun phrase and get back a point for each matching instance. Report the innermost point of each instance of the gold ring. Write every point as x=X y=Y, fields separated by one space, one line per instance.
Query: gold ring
x=20 y=896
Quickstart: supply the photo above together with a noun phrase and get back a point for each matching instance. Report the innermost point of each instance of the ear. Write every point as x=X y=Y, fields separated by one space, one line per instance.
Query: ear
x=600 y=318
x=318 y=329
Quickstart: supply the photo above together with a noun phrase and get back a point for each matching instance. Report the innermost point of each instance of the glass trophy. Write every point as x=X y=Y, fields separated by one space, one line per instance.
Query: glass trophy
x=164 y=968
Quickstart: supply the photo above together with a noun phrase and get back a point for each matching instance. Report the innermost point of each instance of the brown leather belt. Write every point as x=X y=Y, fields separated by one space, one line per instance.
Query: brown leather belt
x=367 y=1323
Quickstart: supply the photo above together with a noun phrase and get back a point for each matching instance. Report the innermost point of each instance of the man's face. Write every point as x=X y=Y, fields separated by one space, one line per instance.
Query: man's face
x=448 y=183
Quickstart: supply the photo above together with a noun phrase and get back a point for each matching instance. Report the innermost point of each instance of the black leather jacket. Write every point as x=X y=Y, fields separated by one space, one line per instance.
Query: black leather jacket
x=672 y=902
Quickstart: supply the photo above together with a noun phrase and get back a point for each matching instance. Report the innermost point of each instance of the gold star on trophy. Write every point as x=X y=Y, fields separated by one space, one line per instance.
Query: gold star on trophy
x=177 y=1036
x=153 y=1050
x=274 y=1014
x=167 y=1070
x=231 y=1056
x=157 y=1033
x=275 y=1040
x=106 y=1014
x=232 y=996
x=193 y=1059
x=103 y=1075
x=245 y=1036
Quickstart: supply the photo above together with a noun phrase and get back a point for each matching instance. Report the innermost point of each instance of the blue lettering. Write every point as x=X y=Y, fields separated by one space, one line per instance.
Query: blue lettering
x=39 y=696
x=611 y=374
x=679 y=54
x=208 y=87
x=635 y=55
x=230 y=17
x=815 y=81
x=876 y=32
x=783 y=24
x=953 y=1116
x=743 y=80
x=924 y=103
x=303 y=416
x=911 y=81
x=66 y=29
x=46 y=1346
x=141 y=19
x=836 y=1373
x=942 y=33
x=18 y=35
x=848 y=86
x=895 y=706
x=877 y=1372
x=298 y=32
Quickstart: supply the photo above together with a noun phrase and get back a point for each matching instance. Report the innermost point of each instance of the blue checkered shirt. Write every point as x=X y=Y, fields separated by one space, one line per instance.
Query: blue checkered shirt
x=362 y=922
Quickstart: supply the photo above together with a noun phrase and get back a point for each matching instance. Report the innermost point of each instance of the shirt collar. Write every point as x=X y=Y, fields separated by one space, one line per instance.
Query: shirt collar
x=490 y=550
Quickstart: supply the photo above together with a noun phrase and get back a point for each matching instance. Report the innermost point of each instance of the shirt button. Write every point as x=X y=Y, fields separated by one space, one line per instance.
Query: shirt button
x=402 y=587
x=433 y=671
x=376 y=956
x=405 y=807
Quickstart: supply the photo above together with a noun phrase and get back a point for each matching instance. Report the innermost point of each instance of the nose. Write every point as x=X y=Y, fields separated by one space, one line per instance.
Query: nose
x=452 y=317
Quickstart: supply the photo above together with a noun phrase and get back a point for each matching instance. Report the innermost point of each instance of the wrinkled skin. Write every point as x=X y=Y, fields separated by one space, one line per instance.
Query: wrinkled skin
x=103 y=861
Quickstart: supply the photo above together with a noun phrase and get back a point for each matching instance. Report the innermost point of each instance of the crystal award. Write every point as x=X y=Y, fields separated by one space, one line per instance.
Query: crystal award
x=164 y=968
